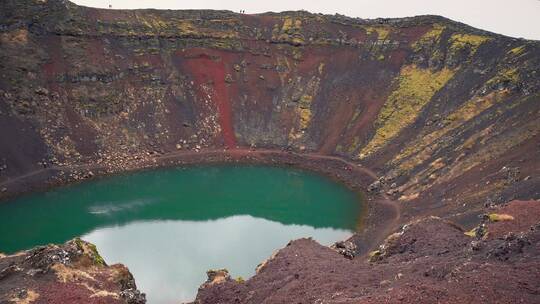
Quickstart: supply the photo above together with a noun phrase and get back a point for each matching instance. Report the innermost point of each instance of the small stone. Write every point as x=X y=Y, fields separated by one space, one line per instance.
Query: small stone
x=133 y=296
x=42 y=91
x=345 y=248
x=375 y=186
x=217 y=276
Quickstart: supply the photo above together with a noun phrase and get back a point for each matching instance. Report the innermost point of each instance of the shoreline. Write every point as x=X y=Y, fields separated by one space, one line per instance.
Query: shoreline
x=380 y=215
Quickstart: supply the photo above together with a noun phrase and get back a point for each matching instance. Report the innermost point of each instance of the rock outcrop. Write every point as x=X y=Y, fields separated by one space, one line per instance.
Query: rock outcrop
x=70 y=273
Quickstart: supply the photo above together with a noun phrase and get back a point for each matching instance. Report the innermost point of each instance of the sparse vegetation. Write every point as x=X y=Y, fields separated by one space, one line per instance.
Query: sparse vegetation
x=495 y=217
x=415 y=88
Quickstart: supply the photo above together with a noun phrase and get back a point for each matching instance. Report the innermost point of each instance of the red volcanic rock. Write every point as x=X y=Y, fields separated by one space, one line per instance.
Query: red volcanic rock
x=427 y=261
x=525 y=214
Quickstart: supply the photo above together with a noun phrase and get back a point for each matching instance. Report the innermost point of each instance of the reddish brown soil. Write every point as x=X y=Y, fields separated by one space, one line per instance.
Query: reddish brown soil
x=428 y=261
x=210 y=70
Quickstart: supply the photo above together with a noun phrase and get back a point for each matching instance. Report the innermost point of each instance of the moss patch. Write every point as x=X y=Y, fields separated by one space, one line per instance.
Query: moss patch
x=430 y=37
x=509 y=74
x=461 y=41
x=416 y=87
x=290 y=31
x=454 y=120
x=517 y=50
x=382 y=31
x=91 y=251
x=496 y=217
x=374 y=255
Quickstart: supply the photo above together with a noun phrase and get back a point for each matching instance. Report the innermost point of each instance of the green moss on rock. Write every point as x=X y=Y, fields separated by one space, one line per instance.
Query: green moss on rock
x=461 y=41
x=416 y=86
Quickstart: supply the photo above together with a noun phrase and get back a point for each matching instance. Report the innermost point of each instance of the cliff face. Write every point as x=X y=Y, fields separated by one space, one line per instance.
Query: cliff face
x=445 y=113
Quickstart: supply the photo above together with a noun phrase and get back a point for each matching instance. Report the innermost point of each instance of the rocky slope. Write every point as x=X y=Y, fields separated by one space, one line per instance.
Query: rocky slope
x=427 y=261
x=446 y=115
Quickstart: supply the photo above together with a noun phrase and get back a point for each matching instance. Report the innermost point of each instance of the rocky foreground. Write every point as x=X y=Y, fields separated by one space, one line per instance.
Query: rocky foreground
x=70 y=273
x=427 y=261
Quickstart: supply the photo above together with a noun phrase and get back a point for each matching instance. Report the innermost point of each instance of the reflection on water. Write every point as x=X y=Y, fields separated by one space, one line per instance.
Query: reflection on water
x=169 y=258
x=108 y=208
x=171 y=225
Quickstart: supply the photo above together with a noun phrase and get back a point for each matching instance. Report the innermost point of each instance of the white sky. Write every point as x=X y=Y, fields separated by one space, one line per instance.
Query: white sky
x=516 y=18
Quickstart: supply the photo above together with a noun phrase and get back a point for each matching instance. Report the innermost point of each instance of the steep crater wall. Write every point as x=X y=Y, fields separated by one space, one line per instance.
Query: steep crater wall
x=445 y=114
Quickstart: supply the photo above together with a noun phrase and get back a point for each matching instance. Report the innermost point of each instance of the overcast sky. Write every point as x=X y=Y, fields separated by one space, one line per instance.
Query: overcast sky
x=516 y=18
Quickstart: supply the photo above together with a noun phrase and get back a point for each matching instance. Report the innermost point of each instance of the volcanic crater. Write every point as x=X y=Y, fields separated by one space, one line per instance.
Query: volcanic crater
x=436 y=122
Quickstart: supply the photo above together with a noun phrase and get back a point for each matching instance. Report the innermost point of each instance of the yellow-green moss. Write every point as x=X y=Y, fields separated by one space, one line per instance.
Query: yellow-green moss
x=463 y=114
x=488 y=144
x=496 y=217
x=416 y=87
x=290 y=31
x=305 y=118
x=290 y=26
x=374 y=255
x=240 y=280
x=460 y=41
x=429 y=37
x=471 y=233
x=305 y=111
x=508 y=74
x=382 y=31
x=150 y=24
x=517 y=50
x=90 y=250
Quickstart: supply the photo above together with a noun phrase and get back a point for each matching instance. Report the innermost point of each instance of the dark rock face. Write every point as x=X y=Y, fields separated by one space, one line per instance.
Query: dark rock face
x=69 y=273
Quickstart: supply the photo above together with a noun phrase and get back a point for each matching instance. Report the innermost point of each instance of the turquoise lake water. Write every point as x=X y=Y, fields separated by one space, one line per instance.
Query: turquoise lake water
x=171 y=225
